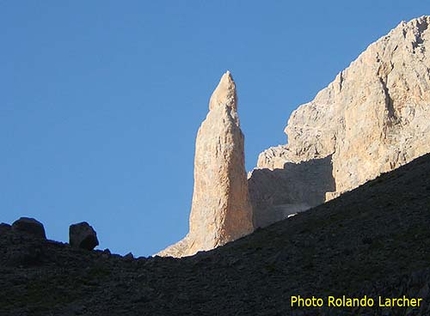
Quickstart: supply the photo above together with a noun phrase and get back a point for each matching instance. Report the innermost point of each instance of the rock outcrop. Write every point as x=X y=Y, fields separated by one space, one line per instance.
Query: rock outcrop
x=4 y=228
x=82 y=235
x=373 y=118
x=221 y=209
x=30 y=226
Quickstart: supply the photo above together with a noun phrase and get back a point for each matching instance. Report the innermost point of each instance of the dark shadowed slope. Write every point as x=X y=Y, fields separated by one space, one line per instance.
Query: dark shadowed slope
x=372 y=241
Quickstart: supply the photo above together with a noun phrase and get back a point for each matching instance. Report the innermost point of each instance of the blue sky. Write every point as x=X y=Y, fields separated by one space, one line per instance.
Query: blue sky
x=100 y=101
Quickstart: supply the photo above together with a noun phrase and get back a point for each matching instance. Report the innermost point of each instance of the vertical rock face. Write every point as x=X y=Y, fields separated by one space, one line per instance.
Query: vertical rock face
x=374 y=117
x=221 y=210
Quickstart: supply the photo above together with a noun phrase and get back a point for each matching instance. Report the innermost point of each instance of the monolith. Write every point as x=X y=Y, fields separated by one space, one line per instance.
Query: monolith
x=221 y=211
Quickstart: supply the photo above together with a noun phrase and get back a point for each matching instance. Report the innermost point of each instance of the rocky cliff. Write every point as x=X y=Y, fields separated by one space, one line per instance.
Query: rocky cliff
x=373 y=118
x=221 y=210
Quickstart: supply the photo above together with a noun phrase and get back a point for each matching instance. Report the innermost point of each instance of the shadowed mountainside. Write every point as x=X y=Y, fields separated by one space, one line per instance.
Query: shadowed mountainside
x=274 y=193
x=372 y=241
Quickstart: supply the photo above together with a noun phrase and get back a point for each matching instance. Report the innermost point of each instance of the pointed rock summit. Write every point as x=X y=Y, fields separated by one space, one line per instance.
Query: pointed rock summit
x=221 y=211
x=225 y=93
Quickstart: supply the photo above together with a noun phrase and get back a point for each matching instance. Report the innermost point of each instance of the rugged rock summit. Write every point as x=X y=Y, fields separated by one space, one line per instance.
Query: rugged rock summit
x=373 y=118
x=221 y=209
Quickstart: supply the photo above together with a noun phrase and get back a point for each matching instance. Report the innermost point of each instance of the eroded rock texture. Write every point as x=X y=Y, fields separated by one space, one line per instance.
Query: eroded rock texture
x=373 y=118
x=221 y=209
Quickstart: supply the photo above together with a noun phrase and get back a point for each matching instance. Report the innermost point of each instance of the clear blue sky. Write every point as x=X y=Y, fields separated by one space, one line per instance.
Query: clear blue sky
x=100 y=101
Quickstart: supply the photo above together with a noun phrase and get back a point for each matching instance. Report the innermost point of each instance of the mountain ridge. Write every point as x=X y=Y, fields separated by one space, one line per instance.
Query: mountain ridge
x=372 y=241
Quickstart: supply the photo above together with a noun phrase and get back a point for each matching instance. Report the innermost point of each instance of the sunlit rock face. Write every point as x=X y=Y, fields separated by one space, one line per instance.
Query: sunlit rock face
x=373 y=118
x=221 y=210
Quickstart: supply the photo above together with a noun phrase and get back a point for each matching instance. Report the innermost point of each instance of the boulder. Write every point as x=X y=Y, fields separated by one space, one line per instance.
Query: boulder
x=82 y=235
x=30 y=226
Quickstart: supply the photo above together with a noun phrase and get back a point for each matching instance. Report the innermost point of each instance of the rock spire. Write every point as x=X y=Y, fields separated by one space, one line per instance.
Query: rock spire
x=221 y=210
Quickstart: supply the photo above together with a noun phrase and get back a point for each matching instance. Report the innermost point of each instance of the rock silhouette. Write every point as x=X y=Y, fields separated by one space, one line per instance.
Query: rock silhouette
x=29 y=225
x=82 y=235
